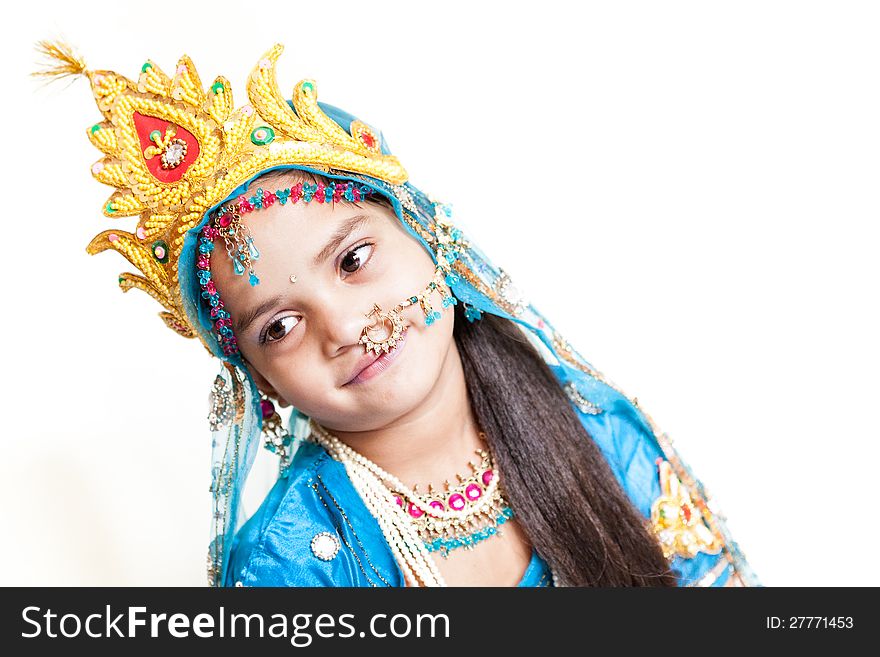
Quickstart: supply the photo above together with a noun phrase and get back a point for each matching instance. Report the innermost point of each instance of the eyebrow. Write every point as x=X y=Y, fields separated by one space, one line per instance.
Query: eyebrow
x=345 y=229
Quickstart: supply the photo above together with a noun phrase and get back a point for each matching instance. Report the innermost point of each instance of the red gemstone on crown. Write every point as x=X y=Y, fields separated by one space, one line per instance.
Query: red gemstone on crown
x=178 y=155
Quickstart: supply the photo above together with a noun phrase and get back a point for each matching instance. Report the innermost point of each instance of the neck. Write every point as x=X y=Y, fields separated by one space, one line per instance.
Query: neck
x=431 y=443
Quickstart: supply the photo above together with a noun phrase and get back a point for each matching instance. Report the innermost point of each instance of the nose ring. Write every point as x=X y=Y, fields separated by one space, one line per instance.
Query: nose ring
x=390 y=323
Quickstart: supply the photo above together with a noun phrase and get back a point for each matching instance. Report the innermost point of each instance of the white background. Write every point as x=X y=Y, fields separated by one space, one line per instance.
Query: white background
x=687 y=190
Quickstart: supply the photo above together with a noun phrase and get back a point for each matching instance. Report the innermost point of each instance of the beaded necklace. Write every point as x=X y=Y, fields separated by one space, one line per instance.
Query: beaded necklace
x=415 y=524
x=482 y=507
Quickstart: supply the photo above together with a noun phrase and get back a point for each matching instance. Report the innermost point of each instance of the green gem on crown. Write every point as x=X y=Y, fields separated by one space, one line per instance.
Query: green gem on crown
x=95 y=128
x=308 y=87
x=262 y=135
x=217 y=87
x=145 y=67
x=160 y=251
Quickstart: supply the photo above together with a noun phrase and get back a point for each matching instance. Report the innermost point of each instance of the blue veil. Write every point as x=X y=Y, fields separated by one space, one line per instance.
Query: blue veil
x=626 y=435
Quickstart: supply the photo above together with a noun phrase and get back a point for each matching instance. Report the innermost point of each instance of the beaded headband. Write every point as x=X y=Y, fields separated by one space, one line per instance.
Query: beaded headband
x=237 y=237
x=240 y=245
x=241 y=250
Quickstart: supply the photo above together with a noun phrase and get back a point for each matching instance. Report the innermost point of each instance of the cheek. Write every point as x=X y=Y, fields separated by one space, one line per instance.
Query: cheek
x=428 y=349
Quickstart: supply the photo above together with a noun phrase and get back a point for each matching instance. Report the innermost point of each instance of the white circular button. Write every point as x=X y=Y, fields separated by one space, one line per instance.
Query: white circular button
x=325 y=545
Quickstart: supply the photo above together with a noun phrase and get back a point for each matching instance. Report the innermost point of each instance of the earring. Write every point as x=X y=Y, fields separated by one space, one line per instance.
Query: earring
x=472 y=313
x=275 y=437
x=293 y=278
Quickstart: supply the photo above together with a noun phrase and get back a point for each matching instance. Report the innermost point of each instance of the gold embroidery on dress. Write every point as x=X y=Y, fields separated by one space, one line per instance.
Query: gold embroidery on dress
x=675 y=520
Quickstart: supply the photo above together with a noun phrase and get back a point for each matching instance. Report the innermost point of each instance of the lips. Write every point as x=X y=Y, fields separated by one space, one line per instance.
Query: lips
x=372 y=364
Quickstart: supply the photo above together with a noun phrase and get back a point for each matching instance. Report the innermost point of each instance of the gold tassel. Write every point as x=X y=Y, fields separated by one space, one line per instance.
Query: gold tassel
x=62 y=61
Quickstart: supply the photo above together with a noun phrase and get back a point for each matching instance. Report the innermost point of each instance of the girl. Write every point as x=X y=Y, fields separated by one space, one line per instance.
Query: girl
x=441 y=431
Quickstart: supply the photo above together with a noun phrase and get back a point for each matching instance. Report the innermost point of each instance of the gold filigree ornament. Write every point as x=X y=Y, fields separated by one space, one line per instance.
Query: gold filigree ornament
x=173 y=150
x=391 y=322
x=677 y=522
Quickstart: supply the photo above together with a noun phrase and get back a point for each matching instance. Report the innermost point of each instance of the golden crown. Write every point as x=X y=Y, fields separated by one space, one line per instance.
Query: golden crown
x=174 y=150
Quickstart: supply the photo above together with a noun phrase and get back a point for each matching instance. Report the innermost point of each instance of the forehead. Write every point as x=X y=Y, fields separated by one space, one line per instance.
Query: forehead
x=300 y=237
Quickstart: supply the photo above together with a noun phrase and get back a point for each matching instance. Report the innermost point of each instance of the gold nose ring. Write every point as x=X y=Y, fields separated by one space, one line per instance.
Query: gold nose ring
x=391 y=322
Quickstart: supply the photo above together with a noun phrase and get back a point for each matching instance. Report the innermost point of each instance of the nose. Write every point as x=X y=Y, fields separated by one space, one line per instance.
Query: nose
x=342 y=322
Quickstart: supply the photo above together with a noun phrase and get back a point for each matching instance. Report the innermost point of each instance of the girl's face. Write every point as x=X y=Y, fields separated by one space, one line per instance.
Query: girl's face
x=300 y=339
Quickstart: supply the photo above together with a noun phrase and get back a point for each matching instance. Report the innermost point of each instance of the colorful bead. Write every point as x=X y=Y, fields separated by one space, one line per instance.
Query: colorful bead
x=160 y=251
x=262 y=135
x=226 y=223
x=471 y=313
x=448 y=544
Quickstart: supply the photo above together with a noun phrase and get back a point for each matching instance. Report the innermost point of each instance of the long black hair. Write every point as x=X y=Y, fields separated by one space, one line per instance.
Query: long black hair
x=557 y=481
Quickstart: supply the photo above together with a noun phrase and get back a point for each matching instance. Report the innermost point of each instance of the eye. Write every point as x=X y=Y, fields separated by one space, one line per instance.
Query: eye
x=278 y=329
x=352 y=262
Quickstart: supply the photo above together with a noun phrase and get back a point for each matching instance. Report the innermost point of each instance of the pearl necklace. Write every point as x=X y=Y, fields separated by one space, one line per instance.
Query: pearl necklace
x=408 y=548
x=375 y=485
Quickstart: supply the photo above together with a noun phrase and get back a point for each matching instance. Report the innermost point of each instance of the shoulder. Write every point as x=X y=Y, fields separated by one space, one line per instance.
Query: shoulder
x=691 y=529
x=312 y=529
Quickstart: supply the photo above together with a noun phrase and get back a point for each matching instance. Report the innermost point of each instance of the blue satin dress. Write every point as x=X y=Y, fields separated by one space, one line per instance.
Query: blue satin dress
x=274 y=546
